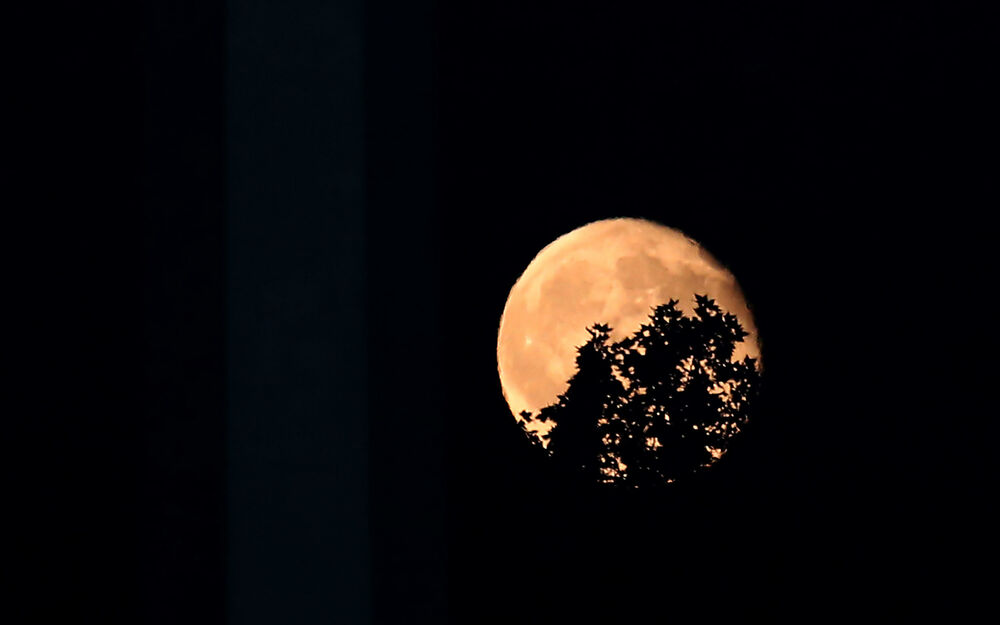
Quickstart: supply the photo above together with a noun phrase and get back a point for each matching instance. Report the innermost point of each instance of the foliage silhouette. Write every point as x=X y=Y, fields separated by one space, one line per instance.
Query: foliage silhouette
x=659 y=404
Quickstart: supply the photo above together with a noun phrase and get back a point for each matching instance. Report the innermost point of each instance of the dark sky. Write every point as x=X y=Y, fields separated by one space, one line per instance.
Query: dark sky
x=831 y=157
x=273 y=246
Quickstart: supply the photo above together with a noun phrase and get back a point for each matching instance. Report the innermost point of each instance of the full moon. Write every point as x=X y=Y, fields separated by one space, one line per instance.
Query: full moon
x=612 y=271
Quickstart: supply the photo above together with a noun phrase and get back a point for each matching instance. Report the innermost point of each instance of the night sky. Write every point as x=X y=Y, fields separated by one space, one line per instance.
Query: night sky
x=830 y=158
x=274 y=243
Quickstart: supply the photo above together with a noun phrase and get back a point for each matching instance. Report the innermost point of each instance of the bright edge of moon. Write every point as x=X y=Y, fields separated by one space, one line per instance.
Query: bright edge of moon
x=612 y=271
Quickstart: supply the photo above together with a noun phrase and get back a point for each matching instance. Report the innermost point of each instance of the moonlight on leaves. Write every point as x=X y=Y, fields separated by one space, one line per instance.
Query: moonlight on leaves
x=627 y=352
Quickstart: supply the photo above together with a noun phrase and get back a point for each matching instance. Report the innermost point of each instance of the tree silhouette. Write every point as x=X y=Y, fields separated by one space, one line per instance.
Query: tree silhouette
x=656 y=405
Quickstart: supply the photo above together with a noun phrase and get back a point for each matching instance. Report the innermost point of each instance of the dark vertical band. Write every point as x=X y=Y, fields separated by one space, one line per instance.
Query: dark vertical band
x=298 y=546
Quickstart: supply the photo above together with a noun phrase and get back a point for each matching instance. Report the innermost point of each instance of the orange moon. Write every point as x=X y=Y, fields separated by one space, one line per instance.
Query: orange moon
x=612 y=271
